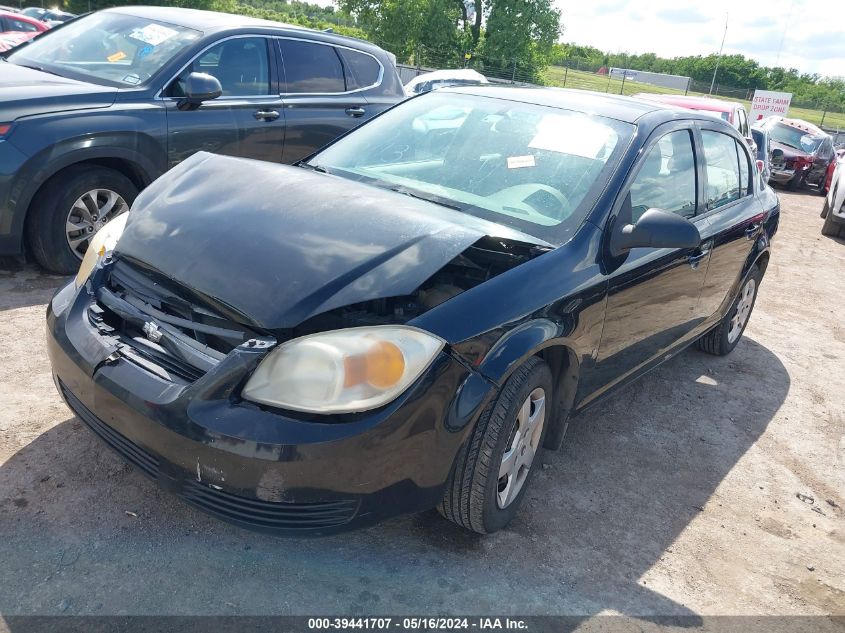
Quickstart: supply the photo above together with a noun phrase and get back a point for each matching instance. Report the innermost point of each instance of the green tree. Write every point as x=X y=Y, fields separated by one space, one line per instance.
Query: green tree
x=521 y=34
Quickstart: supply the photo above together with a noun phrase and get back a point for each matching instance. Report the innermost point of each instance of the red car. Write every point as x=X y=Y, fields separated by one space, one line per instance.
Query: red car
x=16 y=28
x=17 y=23
x=730 y=111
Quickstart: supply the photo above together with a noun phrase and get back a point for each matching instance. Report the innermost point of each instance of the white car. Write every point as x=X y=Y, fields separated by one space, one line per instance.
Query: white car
x=833 y=211
x=442 y=78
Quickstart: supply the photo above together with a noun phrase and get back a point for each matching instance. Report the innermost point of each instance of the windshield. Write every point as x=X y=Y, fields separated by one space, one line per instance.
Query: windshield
x=795 y=138
x=534 y=168
x=108 y=48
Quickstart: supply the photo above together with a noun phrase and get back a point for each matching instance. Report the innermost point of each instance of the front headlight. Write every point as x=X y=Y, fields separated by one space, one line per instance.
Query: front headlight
x=103 y=242
x=343 y=371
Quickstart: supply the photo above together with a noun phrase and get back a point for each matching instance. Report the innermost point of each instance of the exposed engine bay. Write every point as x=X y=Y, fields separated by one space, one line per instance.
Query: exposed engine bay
x=163 y=326
x=480 y=262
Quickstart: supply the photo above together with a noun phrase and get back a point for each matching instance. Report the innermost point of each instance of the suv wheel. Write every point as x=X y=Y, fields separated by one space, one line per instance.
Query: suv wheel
x=493 y=470
x=721 y=340
x=70 y=209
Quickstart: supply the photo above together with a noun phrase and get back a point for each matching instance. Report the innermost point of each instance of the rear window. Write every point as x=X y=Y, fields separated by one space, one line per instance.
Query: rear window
x=362 y=70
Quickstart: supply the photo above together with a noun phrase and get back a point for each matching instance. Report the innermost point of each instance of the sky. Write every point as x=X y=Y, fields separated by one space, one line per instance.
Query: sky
x=812 y=31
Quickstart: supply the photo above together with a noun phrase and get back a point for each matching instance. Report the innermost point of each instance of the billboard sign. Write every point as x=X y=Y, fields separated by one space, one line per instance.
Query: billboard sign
x=768 y=103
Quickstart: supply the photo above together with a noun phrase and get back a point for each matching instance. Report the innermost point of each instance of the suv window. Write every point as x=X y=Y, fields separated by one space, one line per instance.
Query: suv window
x=311 y=68
x=241 y=65
x=362 y=70
x=667 y=178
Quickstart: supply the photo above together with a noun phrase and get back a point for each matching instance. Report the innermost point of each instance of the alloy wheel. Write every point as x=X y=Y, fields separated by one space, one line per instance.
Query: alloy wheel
x=89 y=214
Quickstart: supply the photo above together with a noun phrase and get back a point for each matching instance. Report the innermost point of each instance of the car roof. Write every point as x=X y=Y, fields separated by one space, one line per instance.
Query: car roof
x=210 y=21
x=197 y=18
x=687 y=101
x=627 y=109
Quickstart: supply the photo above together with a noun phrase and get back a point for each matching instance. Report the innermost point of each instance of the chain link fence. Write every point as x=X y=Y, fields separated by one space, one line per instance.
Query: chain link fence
x=583 y=76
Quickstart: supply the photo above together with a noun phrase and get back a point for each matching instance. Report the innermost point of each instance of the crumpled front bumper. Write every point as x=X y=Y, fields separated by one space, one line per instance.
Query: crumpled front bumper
x=264 y=469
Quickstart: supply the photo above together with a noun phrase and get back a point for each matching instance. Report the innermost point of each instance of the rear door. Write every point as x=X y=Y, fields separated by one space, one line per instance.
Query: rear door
x=322 y=93
x=731 y=219
x=246 y=121
x=652 y=296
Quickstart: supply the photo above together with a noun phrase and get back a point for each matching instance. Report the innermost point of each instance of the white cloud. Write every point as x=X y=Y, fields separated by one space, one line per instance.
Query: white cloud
x=812 y=31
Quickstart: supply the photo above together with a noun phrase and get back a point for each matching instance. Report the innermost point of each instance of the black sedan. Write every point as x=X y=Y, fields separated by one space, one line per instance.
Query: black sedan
x=407 y=318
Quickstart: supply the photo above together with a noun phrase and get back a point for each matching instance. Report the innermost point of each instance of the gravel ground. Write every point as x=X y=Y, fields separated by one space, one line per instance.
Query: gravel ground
x=712 y=486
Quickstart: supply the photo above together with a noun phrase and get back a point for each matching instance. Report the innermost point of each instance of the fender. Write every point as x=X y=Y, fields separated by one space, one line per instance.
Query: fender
x=549 y=340
x=138 y=149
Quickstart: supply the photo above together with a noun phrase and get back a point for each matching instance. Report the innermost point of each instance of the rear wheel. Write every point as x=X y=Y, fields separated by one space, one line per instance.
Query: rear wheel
x=493 y=470
x=721 y=340
x=825 y=208
x=70 y=209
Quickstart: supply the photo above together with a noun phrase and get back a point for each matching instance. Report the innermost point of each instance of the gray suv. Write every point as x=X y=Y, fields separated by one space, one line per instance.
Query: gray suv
x=92 y=112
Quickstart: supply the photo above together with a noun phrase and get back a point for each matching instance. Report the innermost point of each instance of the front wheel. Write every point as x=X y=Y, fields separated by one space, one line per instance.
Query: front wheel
x=492 y=472
x=70 y=209
x=721 y=340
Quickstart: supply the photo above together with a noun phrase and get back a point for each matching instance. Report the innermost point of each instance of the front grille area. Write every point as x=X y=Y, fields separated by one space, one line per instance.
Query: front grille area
x=159 y=328
x=130 y=451
x=269 y=515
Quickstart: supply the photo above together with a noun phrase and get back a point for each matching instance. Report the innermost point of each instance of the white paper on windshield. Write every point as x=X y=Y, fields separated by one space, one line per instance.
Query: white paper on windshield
x=153 y=34
x=515 y=162
x=577 y=136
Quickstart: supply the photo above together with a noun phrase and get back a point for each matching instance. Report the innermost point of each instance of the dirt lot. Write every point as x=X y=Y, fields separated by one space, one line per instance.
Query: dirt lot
x=678 y=496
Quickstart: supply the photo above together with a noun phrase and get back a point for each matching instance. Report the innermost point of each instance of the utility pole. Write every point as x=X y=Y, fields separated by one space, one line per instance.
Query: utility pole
x=719 y=56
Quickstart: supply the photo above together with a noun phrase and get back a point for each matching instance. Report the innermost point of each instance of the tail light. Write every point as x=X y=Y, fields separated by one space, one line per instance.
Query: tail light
x=4 y=129
x=760 y=166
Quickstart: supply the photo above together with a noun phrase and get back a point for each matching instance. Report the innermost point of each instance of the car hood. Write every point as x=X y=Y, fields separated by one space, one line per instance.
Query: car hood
x=24 y=92
x=788 y=152
x=278 y=244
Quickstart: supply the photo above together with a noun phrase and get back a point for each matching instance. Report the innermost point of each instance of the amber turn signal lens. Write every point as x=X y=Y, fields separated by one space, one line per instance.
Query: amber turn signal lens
x=385 y=365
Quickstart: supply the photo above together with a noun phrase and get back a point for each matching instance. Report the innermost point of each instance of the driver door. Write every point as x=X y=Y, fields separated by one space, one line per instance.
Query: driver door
x=247 y=120
x=653 y=295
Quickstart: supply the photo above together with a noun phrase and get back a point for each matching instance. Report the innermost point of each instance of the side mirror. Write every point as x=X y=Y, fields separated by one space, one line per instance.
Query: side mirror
x=654 y=229
x=777 y=153
x=199 y=87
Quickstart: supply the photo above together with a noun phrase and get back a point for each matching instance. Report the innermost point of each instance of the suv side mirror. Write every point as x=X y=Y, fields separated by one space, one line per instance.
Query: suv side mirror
x=654 y=229
x=777 y=153
x=199 y=87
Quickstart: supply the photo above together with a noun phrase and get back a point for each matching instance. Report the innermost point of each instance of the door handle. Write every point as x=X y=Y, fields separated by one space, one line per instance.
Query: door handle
x=356 y=111
x=696 y=258
x=751 y=231
x=267 y=115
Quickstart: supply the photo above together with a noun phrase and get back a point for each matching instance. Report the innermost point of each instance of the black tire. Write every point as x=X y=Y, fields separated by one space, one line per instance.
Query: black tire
x=797 y=182
x=470 y=499
x=717 y=341
x=825 y=208
x=51 y=208
x=831 y=228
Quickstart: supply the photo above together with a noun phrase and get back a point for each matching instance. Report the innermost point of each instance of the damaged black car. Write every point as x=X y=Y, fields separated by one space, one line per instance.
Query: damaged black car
x=406 y=319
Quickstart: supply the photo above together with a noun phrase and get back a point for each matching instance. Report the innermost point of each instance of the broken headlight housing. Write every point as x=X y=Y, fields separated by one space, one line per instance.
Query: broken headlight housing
x=103 y=242
x=343 y=371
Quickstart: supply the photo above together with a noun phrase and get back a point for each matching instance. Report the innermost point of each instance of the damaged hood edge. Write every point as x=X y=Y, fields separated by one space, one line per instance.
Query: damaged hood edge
x=279 y=245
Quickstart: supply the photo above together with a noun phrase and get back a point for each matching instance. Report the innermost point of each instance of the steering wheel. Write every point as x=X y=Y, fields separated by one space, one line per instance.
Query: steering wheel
x=518 y=195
